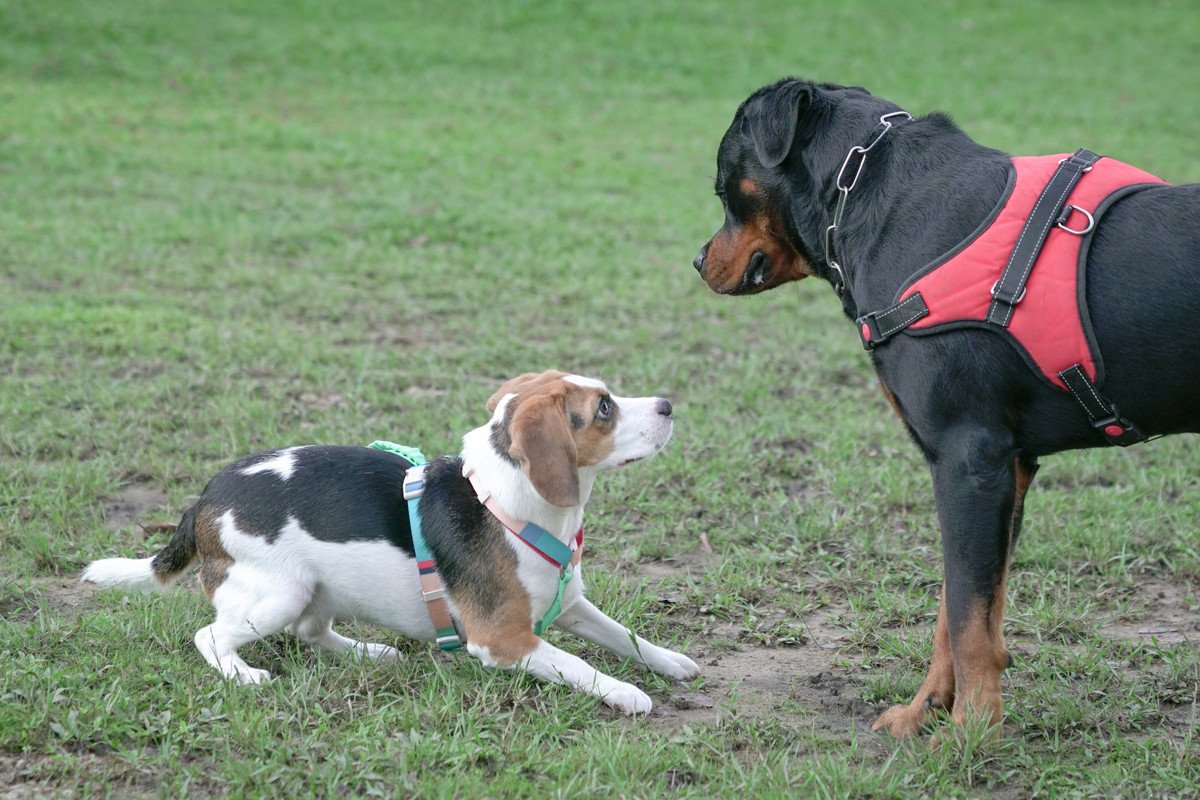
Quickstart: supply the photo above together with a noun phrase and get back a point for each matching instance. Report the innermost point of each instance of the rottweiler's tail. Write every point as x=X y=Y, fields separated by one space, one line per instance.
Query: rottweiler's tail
x=149 y=574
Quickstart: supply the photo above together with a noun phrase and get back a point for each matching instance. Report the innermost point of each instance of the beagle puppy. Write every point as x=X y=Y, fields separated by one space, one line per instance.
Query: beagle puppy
x=297 y=538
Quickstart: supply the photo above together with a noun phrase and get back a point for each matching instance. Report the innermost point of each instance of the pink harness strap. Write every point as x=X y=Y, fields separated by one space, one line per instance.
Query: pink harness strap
x=516 y=526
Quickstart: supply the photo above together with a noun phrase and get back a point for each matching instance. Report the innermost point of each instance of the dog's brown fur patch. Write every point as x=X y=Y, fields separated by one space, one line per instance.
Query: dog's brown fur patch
x=594 y=439
x=493 y=607
x=979 y=659
x=543 y=444
x=523 y=383
x=730 y=251
x=215 y=561
x=891 y=398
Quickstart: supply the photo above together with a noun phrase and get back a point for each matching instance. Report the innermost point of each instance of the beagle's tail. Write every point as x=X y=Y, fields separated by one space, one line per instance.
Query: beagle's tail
x=149 y=574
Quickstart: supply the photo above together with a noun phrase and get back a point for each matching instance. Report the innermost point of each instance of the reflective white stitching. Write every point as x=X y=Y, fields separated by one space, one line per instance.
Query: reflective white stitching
x=916 y=316
x=1078 y=373
x=1033 y=256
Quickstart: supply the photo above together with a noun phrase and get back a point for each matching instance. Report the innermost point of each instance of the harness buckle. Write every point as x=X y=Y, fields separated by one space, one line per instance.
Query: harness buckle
x=868 y=331
x=1118 y=430
x=451 y=641
x=1007 y=297
x=414 y=482
x=1073 y=161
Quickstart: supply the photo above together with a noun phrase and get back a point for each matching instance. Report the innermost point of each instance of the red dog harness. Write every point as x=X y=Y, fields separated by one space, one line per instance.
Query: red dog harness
x=1022 y=273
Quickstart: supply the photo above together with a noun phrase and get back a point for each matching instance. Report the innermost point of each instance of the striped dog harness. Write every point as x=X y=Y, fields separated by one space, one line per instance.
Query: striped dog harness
x=448 y=635
x=446 y=631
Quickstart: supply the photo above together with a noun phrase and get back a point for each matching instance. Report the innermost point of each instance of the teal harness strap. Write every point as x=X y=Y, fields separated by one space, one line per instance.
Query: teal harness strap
x=554 y=551
x=434 y=591
x=542 y=541
x=565 y=573
x=546 y=544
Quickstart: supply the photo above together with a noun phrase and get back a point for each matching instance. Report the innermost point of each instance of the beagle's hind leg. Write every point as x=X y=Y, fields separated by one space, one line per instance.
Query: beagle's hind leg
x=251 y=604
x=319 y=632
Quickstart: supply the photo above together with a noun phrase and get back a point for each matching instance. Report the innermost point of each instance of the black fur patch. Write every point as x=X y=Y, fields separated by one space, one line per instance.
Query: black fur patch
x=576 y=421
x=337 y=494
x=466 y=540
x=180 y=551
x=502 y=433
x=344 y=494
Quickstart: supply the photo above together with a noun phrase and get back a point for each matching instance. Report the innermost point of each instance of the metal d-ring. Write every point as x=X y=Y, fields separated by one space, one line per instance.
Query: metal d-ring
x=1066 y=214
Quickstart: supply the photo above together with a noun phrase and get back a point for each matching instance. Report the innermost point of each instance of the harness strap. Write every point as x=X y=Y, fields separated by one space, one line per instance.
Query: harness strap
x=544 y=543
x=879 y=326
x=1104 y=415
x=446 y=632
x=1010 y=289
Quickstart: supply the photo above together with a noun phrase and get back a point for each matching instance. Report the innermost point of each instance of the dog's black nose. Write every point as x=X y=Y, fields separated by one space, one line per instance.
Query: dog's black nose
x=698 y=263
x=664 y=406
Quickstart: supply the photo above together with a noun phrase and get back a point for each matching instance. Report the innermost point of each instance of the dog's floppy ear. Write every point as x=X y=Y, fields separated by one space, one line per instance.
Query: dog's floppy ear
x=543 y=446
x=519 y=382
x=771 y=118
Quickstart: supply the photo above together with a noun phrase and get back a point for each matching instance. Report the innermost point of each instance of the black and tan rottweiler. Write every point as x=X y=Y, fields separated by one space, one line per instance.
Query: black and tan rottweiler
x=918 y=189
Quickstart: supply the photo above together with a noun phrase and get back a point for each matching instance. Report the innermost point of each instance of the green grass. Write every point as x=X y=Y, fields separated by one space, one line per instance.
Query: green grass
x=234 y=226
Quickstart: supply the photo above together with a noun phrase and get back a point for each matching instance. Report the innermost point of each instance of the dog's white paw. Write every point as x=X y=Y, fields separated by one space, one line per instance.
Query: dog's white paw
x=674 y=665
x=628 y=699
x=378 y=652
x=249 y=675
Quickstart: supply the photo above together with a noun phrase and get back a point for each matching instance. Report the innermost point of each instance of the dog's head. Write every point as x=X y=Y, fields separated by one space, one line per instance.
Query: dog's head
x=775 y=172
x=554 y=424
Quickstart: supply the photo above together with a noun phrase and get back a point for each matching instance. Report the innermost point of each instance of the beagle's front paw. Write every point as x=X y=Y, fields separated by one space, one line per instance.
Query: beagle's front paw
x=671 y=664
x=628 y=699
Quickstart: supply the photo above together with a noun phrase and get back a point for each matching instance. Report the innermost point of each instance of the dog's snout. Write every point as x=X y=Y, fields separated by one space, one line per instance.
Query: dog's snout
x=698 y=262
x=664 y=407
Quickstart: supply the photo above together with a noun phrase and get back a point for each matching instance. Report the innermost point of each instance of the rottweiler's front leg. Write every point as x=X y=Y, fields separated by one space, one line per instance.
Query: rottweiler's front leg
x=937 y=691
x=979 y=484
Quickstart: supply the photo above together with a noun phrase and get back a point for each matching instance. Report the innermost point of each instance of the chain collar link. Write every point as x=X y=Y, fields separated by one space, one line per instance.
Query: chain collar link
x=844 y=189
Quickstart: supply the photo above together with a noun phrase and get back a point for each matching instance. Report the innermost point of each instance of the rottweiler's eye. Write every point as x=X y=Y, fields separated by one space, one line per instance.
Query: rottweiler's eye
x=604 y=409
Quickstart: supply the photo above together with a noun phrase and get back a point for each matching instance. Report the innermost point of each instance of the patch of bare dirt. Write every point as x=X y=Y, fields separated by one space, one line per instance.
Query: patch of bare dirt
x=131 y=504
x=788 y=682
x=29 y=597
x=684 y=564
x=27 y=776
x=799 y=685
x=1171 y=615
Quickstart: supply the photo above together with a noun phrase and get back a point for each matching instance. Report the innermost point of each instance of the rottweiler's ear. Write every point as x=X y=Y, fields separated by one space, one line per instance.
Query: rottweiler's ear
x=771 y=118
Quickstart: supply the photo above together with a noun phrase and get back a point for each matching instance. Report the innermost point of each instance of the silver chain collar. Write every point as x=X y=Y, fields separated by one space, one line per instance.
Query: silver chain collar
x=885 y=125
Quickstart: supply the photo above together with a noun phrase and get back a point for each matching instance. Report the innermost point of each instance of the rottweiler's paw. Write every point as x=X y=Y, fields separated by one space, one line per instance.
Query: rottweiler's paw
x=902 y=721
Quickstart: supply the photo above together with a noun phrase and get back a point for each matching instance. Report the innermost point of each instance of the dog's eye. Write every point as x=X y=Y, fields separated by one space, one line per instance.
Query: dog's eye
x=604 y=409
